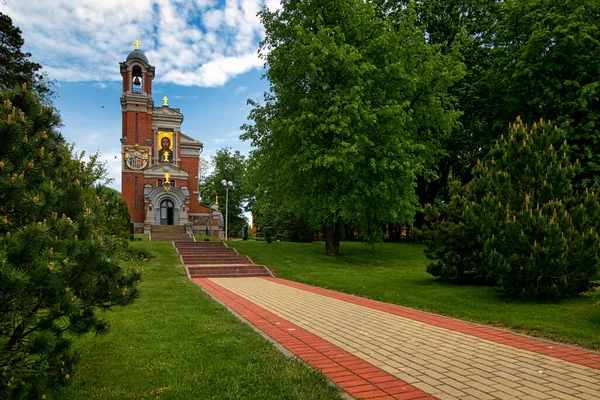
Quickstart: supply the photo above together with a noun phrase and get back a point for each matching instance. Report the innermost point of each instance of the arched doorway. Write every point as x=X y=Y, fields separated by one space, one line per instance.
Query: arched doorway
x=166 y=212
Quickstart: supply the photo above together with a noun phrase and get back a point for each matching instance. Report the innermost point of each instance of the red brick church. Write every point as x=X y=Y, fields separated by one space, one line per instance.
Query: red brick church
x=159 y=163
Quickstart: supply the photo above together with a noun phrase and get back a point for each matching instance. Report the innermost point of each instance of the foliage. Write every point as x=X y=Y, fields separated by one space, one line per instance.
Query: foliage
x=15 y=68
x=546 y=63
x=519 y=222
x=455 y=248
x=272 y=219
x=523 y=57
x=465 y=26
x=356 y=104
x=118 y=220
x=230 y=166
x=56 y=267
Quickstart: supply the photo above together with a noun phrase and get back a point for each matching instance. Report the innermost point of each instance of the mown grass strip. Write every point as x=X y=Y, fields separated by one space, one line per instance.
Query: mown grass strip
x=395 y=273
x=175 y=342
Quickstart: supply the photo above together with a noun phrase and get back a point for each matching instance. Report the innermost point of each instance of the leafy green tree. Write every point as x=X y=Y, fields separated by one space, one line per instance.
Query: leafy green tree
x=229 y=166
x=57 y=265
x=117 y=215
x=356 y=105
x=466 y=26
x=520 y=222
x=523 y=57
x=546 y=63
x=15 y=66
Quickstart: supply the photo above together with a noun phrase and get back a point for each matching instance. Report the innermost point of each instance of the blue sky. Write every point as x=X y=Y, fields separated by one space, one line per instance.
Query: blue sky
x=204 y=51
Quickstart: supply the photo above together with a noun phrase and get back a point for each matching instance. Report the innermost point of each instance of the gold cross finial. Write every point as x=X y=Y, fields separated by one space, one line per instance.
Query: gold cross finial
x=137 y=44
x=165 y=99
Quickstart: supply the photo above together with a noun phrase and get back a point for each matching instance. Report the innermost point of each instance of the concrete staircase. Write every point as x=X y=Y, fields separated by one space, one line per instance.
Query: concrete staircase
x=169 y=232
x=214 y=259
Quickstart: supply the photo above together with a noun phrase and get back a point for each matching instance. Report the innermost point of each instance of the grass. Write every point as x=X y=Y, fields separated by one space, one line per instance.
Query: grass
x=202 y=238
x=174 y=342
x=395 y=273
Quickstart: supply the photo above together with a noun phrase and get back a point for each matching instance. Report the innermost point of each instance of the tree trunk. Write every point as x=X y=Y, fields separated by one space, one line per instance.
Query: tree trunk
x=332 y=239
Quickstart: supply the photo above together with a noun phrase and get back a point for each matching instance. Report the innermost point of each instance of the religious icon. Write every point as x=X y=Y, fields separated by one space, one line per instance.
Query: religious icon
x=165 y=153
x=136 y=158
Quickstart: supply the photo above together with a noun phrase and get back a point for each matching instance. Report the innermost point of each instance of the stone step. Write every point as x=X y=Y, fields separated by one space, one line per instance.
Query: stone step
x=180 y=237
x=180 y=246
x=214 y=260
x=203 y=254
x=196 y=250
x=198 y=270
x=155 y=238
x=228 y=275
x=222 y=256
x=201 y=245
x=230 y=271
x=167 y=229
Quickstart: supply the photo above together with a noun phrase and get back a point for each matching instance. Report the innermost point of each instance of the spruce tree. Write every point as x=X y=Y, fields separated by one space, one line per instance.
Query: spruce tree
x=520 y=221
x=57 y=268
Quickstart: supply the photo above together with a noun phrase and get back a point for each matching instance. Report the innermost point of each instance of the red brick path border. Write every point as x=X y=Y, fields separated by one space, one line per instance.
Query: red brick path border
x=357 y=377
x=578 y=356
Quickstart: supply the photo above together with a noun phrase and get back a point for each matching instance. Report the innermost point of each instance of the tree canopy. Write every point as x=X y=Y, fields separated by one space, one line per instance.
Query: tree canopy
x=229 y=166
x=357 y=104
x=529 y=58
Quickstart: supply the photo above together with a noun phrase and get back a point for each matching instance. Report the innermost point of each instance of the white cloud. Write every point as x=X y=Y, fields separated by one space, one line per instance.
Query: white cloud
x=215 y=72
x=200 y=42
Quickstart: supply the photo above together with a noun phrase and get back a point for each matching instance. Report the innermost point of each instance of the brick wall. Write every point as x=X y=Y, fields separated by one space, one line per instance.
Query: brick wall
x=190 y=165
x=128 y=194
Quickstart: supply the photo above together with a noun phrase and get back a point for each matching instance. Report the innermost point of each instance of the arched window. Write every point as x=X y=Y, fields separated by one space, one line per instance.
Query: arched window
x=137 y=80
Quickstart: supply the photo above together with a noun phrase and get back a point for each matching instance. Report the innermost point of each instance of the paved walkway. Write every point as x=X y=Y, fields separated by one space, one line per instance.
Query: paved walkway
x=374 y=350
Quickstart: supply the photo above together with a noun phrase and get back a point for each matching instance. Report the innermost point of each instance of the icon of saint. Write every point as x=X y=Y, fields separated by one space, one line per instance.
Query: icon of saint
x=165 y=154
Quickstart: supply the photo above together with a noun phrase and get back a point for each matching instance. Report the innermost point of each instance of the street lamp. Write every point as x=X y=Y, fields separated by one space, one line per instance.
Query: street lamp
x=227 y=184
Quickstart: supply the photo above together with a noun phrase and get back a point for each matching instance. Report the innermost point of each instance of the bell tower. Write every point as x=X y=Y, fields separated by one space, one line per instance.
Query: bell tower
x=137 y=137
x=159 y=163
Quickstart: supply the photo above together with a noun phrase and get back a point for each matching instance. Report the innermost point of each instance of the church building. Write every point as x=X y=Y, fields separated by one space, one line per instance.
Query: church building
x=159 y=163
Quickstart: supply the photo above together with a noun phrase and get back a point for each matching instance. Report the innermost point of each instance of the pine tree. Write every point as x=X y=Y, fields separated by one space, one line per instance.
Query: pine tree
x=57 y=268
x=521 y=220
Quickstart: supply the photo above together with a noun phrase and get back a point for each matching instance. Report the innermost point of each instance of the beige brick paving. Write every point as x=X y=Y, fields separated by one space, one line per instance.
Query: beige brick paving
x=442 y=362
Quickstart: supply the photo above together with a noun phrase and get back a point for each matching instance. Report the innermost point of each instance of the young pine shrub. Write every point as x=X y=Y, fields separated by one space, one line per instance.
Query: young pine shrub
x=453 y=237
x=536 y=234
x=57 y=264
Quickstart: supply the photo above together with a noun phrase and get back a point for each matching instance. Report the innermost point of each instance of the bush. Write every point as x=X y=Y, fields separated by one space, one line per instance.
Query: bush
x=519 y=223
x=57 y=260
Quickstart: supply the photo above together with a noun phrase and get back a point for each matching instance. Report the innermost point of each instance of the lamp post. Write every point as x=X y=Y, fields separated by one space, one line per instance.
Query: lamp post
x=227 y=184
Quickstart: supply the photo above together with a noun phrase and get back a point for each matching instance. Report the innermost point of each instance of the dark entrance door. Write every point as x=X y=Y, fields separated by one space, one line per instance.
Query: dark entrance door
x=166 y=212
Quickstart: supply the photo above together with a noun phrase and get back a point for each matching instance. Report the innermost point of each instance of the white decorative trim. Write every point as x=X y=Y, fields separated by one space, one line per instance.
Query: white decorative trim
x=137 y=109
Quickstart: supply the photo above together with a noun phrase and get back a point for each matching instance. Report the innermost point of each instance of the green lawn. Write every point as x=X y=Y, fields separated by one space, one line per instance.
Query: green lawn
x=174 y=342
x=395 y=273
x=203 y=238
